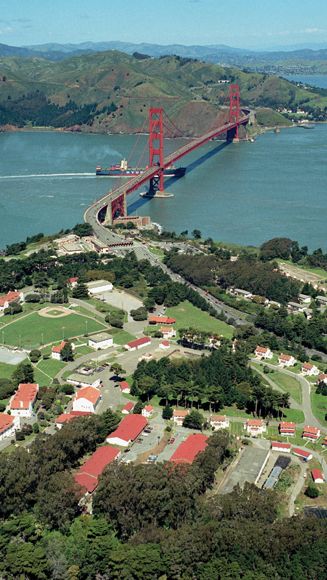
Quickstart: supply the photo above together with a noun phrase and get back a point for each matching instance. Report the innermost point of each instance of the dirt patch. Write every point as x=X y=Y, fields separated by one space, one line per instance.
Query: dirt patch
x=54 y=312
x=154 y=451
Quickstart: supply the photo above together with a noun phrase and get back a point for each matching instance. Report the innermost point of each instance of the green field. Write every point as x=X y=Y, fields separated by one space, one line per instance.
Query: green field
x=188 y=315
x=319 y=406
x=287 y=384
x=6 y=370
x=34 y=330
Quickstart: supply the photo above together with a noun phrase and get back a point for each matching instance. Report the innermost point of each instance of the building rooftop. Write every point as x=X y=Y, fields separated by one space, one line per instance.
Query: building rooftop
x=6 y=421
x=139 y=342
x=88 y=474
x=100 y=337
x=129 y=428
x=24 y=396
x=90 y=393
x=187 y=451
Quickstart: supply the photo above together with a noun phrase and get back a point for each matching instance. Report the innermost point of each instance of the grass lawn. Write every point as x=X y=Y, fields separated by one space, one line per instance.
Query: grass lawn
x=188 y=315
x=233 y=411
x=81 y=350
x=293 y=415
x=50 y=367
x=319 y=406
x=121 y=336
x=35 y=330
x=237 y=428
x=287 y=384
x=6 y=370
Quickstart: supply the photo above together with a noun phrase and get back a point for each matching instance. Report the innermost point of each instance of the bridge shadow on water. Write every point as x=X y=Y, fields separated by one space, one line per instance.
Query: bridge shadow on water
x=135 y=205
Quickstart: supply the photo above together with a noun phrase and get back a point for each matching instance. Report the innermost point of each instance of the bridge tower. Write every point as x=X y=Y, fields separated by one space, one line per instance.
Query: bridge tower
x=156 y=148
x=234 y=111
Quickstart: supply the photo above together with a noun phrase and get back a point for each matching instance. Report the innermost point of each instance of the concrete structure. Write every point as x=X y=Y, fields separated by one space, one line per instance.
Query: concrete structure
x=8 y=425
x=190 y=448
x=219 y=422
x=22 y=402
x=88 y=474
x=255 y=427
x=305 y=299
x=100 y=341
x=286 y=360
x=296 y=308
x=128 y=408
x=249 y=468
x=179 y=416
x=147 y=411
x=64 y=418
x=286 y=428
x=128 y=430
x=309 y=370
x=305 y=455
x=317 y=476
x=124 y=387
x=281 y=447
x=311 y=433
x=138 y=343
x=99 y=286
x=81 y=380
x=262 y=352
x=87 y=399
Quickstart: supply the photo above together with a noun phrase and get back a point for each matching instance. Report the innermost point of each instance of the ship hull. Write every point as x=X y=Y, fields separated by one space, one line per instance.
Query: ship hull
x=169 y=172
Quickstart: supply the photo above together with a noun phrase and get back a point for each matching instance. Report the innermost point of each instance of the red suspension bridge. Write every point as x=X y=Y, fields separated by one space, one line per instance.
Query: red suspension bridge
x=113 y=204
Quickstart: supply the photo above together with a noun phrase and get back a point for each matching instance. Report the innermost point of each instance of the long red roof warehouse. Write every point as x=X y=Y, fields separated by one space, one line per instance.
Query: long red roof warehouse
x=190 y=448
x=129 y=428
x=89 y=472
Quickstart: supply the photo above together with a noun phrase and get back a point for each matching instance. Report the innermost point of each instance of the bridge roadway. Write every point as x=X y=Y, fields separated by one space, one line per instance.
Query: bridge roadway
x=91 y=214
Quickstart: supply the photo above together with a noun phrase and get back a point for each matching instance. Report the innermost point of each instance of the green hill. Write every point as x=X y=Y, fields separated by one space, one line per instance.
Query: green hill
x=111 y=91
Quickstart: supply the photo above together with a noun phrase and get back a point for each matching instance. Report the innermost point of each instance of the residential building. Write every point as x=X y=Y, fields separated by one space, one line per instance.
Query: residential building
x=138 y=343
x=64 y=418
x=88 y=474
x=322 y=302
x=309 y=370
x=263 y=352
x=179 y=416
x=8 y=425
x=238 y=292
x=286 y=360
x=188 y=450
x=305 y=455
x=128 y=408
x=304 y=299
x=99 y=287
x=286 y=428
x=322 y=378
x=147 y=411
x=167 y=331
x=124 y=387
x=255 y=427
x=10 y=298
x=281 y=447
x=100 y=341
x=22 y=402
x=72 y=282
x=317 y=476
x=128 y=430
x=87 y=399
x=219 y=422
x=57 y=349
x=312 y=433
x=164 y=344
x=295 y=308
x=161 y=319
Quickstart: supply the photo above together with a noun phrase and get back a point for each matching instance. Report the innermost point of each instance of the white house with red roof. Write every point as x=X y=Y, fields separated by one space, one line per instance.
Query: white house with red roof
x=219 y=422
x=305 y=455
x=153 y=319
x=57 y=349
x=128 y=408
x=124 y=387
x=255 y=427
x=164 y=344
x=322 y=378
x=87 y=399
x=138 y=343
x=72 y=282
x=263 y=352
x=8 y=425
x=65 y=418
x=167 y=331
x=128 y=430
x=147 y=411
x=287 y=428
x=179 y=416
x=286 y=360
x=22 y=402
x=311 y=433
x=309 y=370
x=281 y=447
x=88 y=474
x=317 y=476
x=9 y=298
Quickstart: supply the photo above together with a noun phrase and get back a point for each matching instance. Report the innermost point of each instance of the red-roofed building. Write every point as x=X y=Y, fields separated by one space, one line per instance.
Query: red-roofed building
x=187 y=451
x=21 y=404
x=9 y=298
x=8 y=425
x=179 y=416
x=167 y=331
x=164 y=344
x=128 y=430
x=219 y=422
x=281 y=447
x=88 y=474
x=64 y=418
x=128 y=408
x=309 y=370
x=138 y=343
x=72 y=282
x=322 y=378
x=124 y=387
x=305 y=455
x=56 y=350
x=286 y=360
x=161 y=320
x=309 y=432
x=286 y=428
x=317 y=476
x=255 y=427
x=147 y=411
x=87 y=399
x=263 y=352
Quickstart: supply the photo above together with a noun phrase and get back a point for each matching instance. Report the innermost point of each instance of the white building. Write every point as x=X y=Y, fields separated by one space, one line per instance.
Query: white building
x=57 y=349
x=10 y=298
x=8 y=425
x=167 y=332
x=100 y=341
x=255 y=427
x=263 y=352
x=286 y=360
x=147 y=411
x=310 y=370
x=179 y=416
x=219 y=422
x=99 y=286
x=87 y=399
x=22 y=402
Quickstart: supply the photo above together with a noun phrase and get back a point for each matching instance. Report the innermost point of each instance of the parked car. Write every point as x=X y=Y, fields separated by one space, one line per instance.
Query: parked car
x=171 y=440
x=152 y=458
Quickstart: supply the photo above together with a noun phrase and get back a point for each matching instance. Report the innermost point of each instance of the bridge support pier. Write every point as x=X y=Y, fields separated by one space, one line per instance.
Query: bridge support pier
x=234 y=112
x=117 y=208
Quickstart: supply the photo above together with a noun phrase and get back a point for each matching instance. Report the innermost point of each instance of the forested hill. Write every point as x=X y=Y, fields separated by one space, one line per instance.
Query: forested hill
x=111 y=91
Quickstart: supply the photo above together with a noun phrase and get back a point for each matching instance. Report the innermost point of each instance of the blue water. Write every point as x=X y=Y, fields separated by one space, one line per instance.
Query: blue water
x=245 y=193
x=313 y=80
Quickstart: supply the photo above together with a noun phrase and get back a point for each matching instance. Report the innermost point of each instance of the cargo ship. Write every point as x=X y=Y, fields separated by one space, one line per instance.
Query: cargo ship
x=122 y=170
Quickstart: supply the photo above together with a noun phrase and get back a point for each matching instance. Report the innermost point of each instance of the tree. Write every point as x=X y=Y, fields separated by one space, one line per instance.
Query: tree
x=117 y=369
x=80 y=291
x=114 y=320
x=139 y=314
x=13 y=308
x=23 y=373
x=35 y=355
x=138 y=407
x=67 y=353
x=312 y=491
x=194 y=420
x=196 y=234
x=167 y=413
x=57 y=500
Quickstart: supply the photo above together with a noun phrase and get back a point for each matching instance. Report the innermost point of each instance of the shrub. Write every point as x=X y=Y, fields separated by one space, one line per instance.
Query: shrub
x=312 y=491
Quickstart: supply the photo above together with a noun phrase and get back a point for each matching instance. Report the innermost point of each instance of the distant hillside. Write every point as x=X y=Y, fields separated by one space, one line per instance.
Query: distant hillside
x=111 y=91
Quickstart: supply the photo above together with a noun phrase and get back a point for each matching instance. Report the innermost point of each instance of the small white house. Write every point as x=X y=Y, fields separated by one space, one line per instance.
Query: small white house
x=317 y=476
x=57 y=349
x=179 y=416
x=87 y=399
x=262 y=352
x=8 y=425
x=9 y=298
x=164 y=345
x=286 y=360
x=99 y=287
x=219 y=422
x=322 y=378
x=309 y=370
x=304 y=299
x=100 y=341
x=167 y=332
x=255 y=427
x=124 y=387
x=147 y=411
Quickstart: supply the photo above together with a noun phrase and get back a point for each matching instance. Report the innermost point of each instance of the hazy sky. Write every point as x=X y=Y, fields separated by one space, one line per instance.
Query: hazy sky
x=243 y=23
